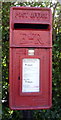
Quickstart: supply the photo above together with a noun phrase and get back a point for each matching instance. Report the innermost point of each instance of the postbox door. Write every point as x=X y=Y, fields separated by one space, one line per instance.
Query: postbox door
x=28 y=97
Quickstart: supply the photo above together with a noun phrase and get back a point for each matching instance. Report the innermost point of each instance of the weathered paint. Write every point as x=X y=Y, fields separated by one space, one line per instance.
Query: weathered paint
x=21 y=40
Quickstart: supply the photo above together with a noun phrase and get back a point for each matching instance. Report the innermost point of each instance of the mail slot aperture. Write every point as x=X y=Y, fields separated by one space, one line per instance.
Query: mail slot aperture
x=31 y=26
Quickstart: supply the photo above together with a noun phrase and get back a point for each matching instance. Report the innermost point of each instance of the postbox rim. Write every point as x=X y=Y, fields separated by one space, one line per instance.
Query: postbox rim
x=30 y=8
x=32 y=108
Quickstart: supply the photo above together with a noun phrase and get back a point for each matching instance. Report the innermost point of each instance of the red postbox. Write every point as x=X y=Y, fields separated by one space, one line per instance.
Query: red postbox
x=30 y=58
